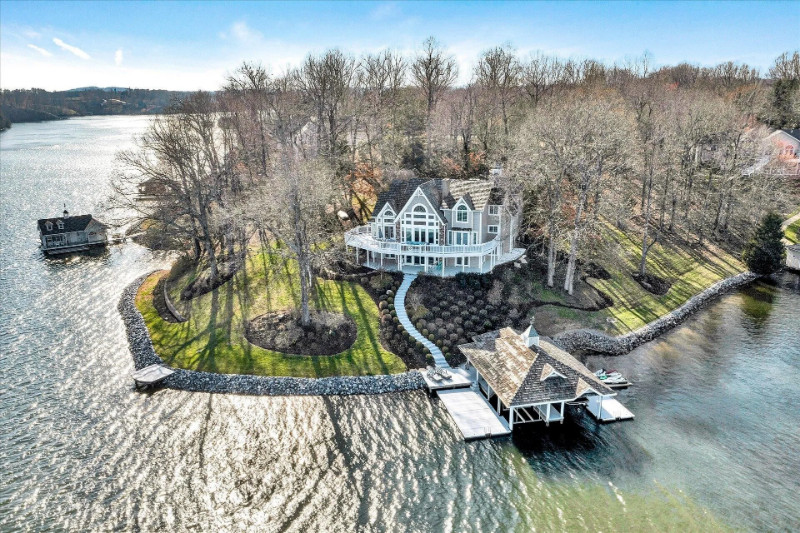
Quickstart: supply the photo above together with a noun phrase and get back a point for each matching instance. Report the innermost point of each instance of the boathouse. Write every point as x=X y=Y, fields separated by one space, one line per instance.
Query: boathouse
x=71 y=233
x=793 y=257
x=528 y=379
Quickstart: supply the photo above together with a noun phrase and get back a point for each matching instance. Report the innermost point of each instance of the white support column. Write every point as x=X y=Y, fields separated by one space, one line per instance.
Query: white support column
x=511 y=419
x=600 y=408
x=547 y=421
x=498 y=405
x=443 y=260
x=562 y=412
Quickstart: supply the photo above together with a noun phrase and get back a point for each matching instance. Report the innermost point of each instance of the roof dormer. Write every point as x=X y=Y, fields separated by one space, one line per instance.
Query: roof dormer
x=549 y=372
x=60 y=224
x=48 y=225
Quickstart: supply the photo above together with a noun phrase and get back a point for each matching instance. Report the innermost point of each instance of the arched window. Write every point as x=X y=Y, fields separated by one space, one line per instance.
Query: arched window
x=420 y=209
x=461 y=213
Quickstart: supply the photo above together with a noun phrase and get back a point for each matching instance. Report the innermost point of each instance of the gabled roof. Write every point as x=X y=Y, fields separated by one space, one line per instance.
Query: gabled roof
x=77 y=223
x=794 y=133
x=398 y=194
x=518 y=374
x=441 y=193
x=479 y=192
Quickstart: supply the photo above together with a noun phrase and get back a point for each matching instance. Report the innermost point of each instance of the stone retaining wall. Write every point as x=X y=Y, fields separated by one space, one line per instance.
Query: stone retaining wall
x=179 y=317
x=190 y=380
x=597 y=341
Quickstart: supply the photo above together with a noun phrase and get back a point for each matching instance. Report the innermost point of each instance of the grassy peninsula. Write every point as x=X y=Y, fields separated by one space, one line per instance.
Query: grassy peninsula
x=213 y=337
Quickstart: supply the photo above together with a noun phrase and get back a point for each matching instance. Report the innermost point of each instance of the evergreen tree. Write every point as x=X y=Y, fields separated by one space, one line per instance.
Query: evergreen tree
x=765 y=252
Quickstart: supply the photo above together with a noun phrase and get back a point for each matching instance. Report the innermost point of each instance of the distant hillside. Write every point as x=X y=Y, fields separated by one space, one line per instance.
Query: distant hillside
x=35 y=105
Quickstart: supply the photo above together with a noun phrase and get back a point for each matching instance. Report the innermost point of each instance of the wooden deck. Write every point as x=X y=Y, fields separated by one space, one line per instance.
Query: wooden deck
x=612 y=410
x=473 y=415
x=459 y=379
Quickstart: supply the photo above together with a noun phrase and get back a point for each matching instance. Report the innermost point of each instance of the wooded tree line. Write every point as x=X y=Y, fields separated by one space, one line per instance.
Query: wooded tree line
x=280 y=156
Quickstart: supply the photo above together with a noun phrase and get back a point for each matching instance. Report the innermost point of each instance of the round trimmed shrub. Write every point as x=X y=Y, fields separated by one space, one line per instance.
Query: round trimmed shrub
x=431 y=337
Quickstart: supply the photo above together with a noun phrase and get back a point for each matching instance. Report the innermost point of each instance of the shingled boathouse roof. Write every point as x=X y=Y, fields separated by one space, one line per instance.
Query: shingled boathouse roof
x=523 y=375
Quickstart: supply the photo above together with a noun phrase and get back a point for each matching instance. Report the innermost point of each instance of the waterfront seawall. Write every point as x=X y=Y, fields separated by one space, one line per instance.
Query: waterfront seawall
x=144 y=354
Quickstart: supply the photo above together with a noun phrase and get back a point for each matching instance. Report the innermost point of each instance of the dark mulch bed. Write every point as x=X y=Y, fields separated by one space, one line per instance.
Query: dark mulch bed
x=204 y=283
x=327 y=334
x=653 y=284
x=160 y=304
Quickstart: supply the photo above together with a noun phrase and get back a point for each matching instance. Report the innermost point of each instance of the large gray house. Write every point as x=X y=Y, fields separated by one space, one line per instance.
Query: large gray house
x=440 y=226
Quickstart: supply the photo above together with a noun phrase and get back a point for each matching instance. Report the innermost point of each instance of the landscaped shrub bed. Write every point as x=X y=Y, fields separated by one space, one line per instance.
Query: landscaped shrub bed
x=450 y=311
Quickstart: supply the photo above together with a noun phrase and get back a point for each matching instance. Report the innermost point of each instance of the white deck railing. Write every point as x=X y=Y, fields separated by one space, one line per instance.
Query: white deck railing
x=361 y=237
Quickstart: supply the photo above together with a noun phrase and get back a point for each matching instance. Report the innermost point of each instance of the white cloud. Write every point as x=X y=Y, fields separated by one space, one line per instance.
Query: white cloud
x=118 y=57
x=385 y=10
x=244 y=33
x=71 y=49
x=31 y=34
x=42 y=51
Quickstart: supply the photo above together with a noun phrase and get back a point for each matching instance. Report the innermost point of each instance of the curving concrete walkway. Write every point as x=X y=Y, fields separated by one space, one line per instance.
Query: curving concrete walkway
x=402 y=316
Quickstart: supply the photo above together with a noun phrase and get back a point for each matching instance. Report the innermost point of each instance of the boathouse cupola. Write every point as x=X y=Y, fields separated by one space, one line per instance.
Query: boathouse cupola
x=530 y=336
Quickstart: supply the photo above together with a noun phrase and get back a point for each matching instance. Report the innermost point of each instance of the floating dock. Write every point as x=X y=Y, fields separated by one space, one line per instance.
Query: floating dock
x=607 y=409
x=473 y=415
x=151 y=375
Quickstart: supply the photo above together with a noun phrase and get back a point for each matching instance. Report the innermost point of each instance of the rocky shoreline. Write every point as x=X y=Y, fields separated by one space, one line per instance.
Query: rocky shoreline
x=189 y=380
x=597 y=341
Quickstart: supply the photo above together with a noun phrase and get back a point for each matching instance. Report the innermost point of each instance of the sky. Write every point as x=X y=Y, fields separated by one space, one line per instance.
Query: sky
x=195 y=45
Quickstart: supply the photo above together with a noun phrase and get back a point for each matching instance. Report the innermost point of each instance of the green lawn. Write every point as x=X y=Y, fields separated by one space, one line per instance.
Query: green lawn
x=792 y=232
x=691 y=270
x=213 y=338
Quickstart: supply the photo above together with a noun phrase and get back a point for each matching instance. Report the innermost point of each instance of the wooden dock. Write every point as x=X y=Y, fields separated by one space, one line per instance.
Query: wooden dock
x=459 y=379
x=473 y=415
x=607 y=410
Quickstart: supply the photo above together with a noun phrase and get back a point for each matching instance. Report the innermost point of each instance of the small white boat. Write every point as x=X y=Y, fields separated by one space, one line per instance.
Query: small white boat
x=612 y=379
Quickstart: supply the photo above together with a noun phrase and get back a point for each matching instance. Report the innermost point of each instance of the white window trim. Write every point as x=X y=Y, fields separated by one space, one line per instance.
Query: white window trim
x=60 y=224
x=496 y=209
x=49 y=226
x=496 y=229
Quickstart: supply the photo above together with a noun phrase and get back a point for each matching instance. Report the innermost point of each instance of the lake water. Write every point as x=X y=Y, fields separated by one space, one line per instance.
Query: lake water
x=715 y=443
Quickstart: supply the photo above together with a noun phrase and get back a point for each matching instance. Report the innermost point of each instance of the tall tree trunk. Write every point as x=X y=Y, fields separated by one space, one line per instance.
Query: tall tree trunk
x=569 y=279
x=647 y=203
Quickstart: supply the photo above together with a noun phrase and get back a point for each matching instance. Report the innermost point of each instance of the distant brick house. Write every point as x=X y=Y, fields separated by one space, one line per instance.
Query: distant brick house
x=440 y=226
x=71 y=233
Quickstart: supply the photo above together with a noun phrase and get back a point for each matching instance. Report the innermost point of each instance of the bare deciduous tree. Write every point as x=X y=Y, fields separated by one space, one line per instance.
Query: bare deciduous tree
x=432 y=73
